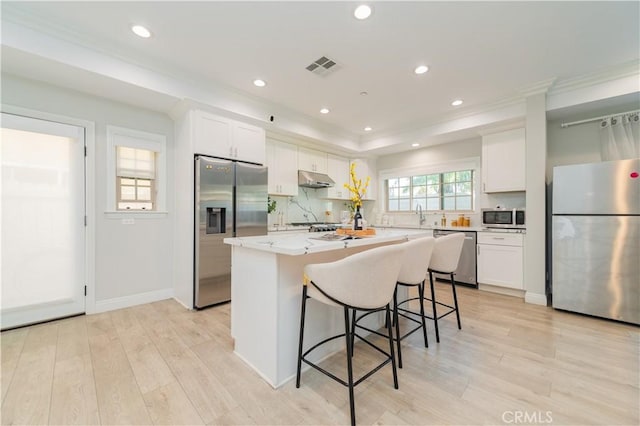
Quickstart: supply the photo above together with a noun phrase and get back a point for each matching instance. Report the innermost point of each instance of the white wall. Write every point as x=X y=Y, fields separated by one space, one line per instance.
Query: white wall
x=572 y=145
x=442 y=154
x=132 y=262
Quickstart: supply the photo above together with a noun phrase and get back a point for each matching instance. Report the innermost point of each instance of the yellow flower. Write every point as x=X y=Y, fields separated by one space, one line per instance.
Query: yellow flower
x=357 y=189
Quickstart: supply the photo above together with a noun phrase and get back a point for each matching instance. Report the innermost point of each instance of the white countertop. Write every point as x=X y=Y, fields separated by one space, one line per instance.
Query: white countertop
x=295 y=244
x=432 y=227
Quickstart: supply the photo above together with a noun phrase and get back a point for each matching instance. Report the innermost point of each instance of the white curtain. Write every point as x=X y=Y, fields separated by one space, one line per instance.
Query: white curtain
x=619 y=139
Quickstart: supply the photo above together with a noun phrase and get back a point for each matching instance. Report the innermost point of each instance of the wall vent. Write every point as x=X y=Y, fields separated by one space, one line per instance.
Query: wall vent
x=322 y=66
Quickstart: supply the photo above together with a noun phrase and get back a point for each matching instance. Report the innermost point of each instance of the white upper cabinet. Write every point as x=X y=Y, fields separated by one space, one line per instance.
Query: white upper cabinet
x=282 y=161
x=248 y=143
x=312 y=160
x=338 y=170
x=503 y=161
x=364 y=169
x=222 y=137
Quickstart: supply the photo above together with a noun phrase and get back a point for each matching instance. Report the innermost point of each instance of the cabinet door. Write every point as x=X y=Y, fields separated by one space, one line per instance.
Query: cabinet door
x=212 y=135
x=312 y=160
x=338 y=170
x=283 y=170
x=364 y=170
x=500 y=265
x=248 y=143
x=503 y=161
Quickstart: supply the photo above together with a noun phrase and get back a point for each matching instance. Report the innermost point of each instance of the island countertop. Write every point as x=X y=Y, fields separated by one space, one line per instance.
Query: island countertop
x=306 y=243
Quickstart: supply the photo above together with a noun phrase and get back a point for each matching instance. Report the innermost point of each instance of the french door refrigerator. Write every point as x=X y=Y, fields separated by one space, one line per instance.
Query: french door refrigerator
x=230 y=201
x=596 y=239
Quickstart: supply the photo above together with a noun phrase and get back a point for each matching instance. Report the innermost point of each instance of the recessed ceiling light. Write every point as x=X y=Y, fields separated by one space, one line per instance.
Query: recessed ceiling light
x=421 y=69
x=415 y=144
x=259 y=83
x=457 y=102
x=324 y=111
x=364 y=93
x=141 y=31
x=367 y=129
x=362 y=12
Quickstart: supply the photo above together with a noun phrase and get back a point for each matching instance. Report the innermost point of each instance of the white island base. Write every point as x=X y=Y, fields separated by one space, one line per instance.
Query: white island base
x=266 y=291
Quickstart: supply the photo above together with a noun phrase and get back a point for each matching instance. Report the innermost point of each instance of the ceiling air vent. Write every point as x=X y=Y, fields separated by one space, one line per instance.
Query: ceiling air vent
x=322 y=66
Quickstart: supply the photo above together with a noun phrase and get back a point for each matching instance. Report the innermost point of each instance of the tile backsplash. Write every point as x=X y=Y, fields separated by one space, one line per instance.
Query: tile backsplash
x=309 y=207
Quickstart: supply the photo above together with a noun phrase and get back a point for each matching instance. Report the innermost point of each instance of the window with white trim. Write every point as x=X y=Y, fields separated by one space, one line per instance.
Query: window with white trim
x=135 y=178
x=448 y=191
x=136 y=162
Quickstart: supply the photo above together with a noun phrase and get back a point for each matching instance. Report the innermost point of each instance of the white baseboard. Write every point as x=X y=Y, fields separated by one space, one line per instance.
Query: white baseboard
x=535 y=298
x=132 y=300
x=502 y=290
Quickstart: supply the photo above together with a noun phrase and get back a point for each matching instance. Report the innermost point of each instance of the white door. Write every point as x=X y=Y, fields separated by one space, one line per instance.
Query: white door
x=42 y=226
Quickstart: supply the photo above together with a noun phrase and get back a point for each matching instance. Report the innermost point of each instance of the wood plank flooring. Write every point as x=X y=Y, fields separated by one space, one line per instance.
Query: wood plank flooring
x=512 y=363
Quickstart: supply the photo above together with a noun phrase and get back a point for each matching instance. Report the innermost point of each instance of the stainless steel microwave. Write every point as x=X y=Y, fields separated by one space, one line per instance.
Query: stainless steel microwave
x=502 y=218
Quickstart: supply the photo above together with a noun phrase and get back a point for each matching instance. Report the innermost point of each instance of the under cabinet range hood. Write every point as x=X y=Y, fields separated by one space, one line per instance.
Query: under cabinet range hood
x=314 y=180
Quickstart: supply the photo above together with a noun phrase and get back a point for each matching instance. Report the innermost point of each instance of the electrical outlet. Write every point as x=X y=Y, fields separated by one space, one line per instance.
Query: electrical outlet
x=128 y=221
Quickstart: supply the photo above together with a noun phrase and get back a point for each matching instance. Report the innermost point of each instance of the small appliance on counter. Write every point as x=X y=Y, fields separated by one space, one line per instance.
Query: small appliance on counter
x=503 y=218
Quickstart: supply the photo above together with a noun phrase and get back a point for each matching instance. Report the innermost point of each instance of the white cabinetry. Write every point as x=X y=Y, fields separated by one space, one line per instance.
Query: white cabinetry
x=503 y=161
x=364 y=169
x=500 y=259
x=312 y=160
x=338 y=170
x=222 y=137
x=283 y=168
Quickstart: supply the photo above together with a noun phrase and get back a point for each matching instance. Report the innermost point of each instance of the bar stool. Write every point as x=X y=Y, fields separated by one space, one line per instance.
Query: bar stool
x=444 y=260
x=364 y=281
x=415 y=265
x=413 y=273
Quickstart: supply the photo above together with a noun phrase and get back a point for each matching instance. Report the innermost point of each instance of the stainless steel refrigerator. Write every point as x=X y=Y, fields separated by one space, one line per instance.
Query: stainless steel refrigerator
x=230 y=201
x=596 y=239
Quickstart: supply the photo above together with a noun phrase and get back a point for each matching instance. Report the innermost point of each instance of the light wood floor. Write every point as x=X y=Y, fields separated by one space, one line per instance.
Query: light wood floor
x=512 y=363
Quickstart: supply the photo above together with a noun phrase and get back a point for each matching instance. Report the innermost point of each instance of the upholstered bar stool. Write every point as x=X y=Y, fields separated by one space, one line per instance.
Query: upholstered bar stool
x=413 y=273
x=444 y=260
x=364 y=281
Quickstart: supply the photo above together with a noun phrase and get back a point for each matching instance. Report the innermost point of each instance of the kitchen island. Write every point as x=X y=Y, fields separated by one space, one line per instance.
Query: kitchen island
x=266 y=288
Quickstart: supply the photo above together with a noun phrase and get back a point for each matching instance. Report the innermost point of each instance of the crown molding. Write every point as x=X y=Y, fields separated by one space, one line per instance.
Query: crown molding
x=628 y=69
x=537 y=88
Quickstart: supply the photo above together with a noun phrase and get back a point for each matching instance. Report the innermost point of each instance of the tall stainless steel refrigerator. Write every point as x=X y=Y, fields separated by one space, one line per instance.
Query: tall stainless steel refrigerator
x=230 y=201
x=596 y=239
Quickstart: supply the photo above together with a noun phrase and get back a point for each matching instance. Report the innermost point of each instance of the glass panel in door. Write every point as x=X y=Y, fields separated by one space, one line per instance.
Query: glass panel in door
x=42 y=228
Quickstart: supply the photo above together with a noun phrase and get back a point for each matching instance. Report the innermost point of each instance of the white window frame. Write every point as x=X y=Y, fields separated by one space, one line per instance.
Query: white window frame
x=121 y=136
x=471 y=163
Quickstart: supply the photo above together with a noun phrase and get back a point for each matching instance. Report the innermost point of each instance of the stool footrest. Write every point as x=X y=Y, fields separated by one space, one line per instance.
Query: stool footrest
x=338 y=379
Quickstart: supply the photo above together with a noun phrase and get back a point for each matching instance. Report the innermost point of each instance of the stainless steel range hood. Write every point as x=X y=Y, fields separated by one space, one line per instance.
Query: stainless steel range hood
x=314 y=180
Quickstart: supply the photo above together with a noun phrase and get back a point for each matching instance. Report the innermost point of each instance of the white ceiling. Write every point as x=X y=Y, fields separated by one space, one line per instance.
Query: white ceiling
x=482 y=52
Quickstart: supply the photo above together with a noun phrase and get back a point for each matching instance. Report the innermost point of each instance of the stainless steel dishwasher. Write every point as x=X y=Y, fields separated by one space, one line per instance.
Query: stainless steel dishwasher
x=466 y=272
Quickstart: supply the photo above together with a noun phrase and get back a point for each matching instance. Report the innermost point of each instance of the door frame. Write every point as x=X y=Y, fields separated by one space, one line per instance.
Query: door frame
x=89 y=189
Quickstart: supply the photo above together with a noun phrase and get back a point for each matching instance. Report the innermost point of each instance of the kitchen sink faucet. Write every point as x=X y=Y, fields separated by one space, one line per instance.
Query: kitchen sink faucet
x=419 y=212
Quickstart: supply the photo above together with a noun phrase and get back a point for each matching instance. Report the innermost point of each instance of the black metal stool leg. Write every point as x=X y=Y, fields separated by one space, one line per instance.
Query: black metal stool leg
x=349 y=340
x=397 y=324
x=353 y=330
x=455 y=301
x=424 y=324
x=304 y=305
x=433 y=304
x=393 y=358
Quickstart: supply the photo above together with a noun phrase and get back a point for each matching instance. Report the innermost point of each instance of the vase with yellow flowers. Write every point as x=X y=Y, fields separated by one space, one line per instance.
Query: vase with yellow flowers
x=358 y=190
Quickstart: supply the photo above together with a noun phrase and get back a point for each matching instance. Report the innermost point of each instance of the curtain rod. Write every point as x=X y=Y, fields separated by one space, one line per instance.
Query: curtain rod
x=588 y=120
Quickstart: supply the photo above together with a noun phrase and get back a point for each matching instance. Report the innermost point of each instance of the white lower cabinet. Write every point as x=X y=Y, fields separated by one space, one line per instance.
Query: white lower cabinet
x=500 y=259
